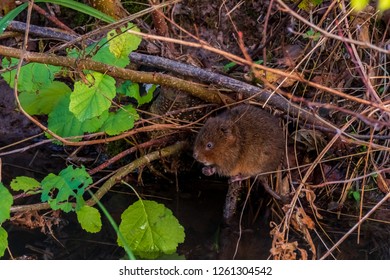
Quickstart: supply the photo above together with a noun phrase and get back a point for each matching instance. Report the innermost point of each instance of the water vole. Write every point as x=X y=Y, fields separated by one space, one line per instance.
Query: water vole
x=240 y=143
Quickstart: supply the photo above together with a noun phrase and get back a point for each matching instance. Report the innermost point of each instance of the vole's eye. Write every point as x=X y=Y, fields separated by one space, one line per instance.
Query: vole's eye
x=209 y=145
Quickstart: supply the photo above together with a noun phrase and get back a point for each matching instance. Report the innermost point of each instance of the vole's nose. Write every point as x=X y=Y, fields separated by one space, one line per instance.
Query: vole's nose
x=195 y=155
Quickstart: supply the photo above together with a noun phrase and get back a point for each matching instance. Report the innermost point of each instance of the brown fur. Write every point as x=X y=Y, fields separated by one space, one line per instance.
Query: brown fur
x=245 y=141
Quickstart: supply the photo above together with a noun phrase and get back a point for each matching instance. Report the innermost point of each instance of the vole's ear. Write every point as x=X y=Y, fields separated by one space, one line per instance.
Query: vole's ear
x=226 y=129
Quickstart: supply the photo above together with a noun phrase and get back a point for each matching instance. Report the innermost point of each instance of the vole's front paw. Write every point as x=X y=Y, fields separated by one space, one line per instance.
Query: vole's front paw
x=208 y=170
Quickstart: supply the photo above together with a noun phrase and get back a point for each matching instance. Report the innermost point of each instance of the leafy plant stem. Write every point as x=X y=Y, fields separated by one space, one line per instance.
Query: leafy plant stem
x=114 y=226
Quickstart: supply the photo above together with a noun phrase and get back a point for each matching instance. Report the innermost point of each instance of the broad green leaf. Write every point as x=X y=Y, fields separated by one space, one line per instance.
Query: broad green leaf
x=100 y=52
x=23 y=183
x=150 y=229
x=6 y=201
x=89 y=219
x=64 y=123
x=45 y=100
x=68 y=187
x=123 y=43
x=3 y=241
x=91 y=100
x=33 y=76
x=120 y=121
x=132 y=90
x=104 y=55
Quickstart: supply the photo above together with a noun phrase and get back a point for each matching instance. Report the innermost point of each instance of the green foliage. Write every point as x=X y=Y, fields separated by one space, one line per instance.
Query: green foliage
x=120 y=121
x=383 y=5
x=150 y=229
x=229 y=66
x=33 y=76
x=91 y=100
x=315 y=36
x=122 y=43
x=61 y=190
x=46 y=100
x=308 y=5
x=63 y=122
x=88 y=108
x=4 y=22
x=132 y=90
x=354 y=195
x=3 y=241
x=361 y=4
x=89 y=219
x=6 y=201
x=101 y=53
x=25 y=184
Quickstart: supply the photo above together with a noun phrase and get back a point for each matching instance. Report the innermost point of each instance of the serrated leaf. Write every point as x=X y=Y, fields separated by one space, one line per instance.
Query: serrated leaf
x=100 y=52
x=89 y=219
x=3 y=241
x=23 y=183
x=68 y=187
x=91 y=100
x=45 y=100
x=123 y=43
x=32 y=77
x=150 y=229
x=6 y=201
x=104 y=55
x=64 y=123
x=120 y=121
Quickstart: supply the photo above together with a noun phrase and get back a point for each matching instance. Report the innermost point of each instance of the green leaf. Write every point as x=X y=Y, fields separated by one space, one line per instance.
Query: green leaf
x=150 y=229
x=23 y=183
x=356 y=196
x=3 y=241
x=104 y=55
x=308 y=5
x=100 y=52
x=45 y=100
x=89 y=219
x=91 y=100
x=61 y=190
x=123 y=43
x=6 y=201
x=64 y=123
x=120 y=121
x=10 y=16
x=32 y=77
x=383 y=5
x=66 y=3
x=229 y=66
x=131 y=89
x=359 y=4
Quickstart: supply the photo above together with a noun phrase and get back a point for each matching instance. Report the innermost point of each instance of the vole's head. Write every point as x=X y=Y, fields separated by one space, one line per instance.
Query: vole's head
x=216 y=142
